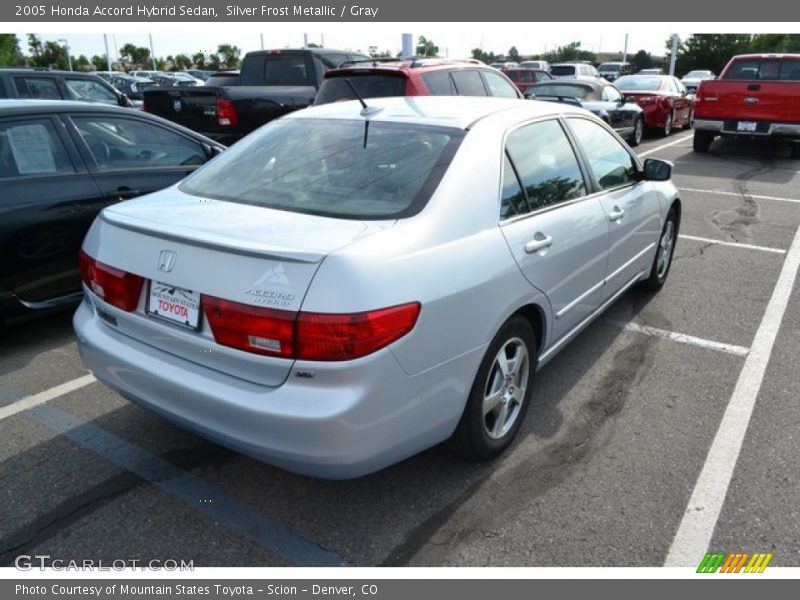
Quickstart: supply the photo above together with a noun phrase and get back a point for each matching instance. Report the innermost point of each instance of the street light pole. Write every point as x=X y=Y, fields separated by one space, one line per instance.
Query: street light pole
x=66 y=45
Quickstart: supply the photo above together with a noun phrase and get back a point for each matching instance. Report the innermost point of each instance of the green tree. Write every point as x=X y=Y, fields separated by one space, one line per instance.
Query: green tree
x=182 y=61
x=99 y=63
x=641 y=60
x=426 y=47
x=513 y=54
x=50 y=55
x=228 y=55
x=571 y=51
x=10 y=54
x=708 y=51
x=134 y=57
x=199 y=60
x=81 y=63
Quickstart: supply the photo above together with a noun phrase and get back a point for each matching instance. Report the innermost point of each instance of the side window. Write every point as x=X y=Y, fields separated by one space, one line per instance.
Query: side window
x=512 y=200
x=610 y=94
x=439 y=83
x=609 y=161
x=468 y=83
x=546 y=164
x=32 y=148
x=498 y=86
x=679 y=86
x=2 y=89
x=44 y=88
x=90 y=91
x=120 y=143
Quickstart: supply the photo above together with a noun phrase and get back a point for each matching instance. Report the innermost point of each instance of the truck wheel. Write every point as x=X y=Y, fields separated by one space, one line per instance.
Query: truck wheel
x=702 y=140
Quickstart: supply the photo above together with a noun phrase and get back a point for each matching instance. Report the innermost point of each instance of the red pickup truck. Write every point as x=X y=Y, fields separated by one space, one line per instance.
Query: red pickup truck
x=756 y=96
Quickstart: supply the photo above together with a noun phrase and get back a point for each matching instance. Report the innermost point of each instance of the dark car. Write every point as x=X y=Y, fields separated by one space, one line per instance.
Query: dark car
x=414 y=77
x=60 y=164
x=523 y=78
x=664 y=98
x=44 y=84
x=132 y=87
x=599 y=97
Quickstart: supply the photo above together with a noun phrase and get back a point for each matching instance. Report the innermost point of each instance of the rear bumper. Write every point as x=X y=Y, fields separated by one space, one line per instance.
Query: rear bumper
x=724 y=127
x=346 y=420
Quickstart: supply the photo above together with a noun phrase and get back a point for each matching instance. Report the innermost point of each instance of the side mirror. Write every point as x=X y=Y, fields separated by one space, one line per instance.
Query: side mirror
x=211 y=151
x=656 y=169
x=124 y=101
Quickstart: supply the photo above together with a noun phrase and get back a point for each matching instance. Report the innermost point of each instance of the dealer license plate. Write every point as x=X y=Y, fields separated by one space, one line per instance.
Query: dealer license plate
x=746 y=126
x=174 y=304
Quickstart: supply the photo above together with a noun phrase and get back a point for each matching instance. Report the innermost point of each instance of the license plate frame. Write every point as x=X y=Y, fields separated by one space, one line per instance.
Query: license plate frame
x=176 y=299
x=746 y=126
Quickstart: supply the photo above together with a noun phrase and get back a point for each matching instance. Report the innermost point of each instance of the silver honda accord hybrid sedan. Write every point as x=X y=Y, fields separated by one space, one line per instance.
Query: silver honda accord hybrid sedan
x=350 y=285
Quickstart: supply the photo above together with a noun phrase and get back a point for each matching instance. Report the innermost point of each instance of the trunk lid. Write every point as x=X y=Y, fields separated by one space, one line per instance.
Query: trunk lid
x=246 y=254
x=774 y=101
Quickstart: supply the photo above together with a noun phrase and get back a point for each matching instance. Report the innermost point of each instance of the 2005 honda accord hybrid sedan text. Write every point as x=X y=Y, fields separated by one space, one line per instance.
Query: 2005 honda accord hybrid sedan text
x=348 y=286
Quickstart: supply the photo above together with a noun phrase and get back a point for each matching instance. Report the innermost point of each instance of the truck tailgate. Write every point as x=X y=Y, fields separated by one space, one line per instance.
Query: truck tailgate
x=773 y=101
x=195 y=108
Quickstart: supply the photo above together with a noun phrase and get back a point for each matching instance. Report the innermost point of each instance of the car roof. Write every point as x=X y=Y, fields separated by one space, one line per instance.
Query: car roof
x=444 y=111
x=405 y=64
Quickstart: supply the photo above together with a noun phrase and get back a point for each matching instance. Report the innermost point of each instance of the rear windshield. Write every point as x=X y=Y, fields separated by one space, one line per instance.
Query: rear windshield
x=372 y=85
x=571 y=91
x=560 y=70
x=609 y=67
x=276 y=69
x=638 y=82
x=775 y=69
x=338 y=168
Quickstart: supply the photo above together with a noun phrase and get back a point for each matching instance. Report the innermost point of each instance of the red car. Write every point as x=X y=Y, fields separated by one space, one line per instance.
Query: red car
x=414 y=77
x=665 y=101
x=524 y=78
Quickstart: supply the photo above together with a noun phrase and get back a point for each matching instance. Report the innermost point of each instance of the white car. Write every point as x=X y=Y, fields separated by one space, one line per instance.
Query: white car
x=350 y=285
x=692 y=80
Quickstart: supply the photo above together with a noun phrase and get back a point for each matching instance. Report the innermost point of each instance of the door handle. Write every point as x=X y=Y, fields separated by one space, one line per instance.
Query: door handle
x=124 y=193
x=538 y=243
x=616 y=214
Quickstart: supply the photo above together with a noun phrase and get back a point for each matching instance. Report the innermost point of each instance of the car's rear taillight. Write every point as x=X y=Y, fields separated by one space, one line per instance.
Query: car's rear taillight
x=226 y=113
x=304 y=335
x=323 y=336
x=250 y=328
x=118 y=288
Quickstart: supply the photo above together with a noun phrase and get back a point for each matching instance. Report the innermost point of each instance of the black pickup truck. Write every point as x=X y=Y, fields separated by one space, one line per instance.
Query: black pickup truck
x=271 y=83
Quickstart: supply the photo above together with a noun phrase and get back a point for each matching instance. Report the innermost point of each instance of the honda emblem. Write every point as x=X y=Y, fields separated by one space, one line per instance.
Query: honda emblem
x=166 y=260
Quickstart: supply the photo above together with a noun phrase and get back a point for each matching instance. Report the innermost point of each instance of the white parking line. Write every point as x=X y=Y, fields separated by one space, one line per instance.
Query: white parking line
x=667 y=145
x=697 y=526
x=45 y=396
x=753 y=196
x=682 y=338
x=732 y=244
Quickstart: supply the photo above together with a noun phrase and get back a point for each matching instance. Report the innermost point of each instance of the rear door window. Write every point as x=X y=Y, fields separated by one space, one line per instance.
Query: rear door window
x=468 y=83
x=546 y=164
x=43 y=88
x=32 y=148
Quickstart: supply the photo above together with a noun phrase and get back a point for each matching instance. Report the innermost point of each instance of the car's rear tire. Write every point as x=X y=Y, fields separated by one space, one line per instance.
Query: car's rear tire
x=638 y=132
x=662 y=261
x=702 y=140
x=666 y=130
x=500 y=394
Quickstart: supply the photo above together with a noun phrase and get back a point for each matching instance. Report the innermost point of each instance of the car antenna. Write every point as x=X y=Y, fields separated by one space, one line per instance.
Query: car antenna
x=365 y=110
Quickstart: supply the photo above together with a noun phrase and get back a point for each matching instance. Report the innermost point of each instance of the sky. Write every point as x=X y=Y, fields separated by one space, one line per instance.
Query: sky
x=454 y=40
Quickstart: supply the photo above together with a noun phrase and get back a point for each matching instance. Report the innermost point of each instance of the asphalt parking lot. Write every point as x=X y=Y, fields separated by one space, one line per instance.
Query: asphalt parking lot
x=619 y=462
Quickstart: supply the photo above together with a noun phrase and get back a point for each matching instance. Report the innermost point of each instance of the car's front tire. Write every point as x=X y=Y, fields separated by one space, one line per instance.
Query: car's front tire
x=500 y=394
x=664 y=252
